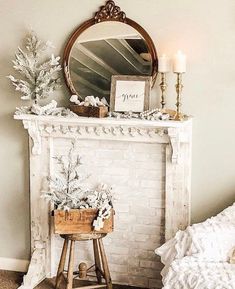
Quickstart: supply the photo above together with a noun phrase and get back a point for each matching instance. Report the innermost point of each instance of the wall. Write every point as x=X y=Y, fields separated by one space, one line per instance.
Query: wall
x=204 y=30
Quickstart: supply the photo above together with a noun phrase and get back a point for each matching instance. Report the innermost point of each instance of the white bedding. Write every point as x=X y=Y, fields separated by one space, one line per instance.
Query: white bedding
x=189 y=273
x=198 y=257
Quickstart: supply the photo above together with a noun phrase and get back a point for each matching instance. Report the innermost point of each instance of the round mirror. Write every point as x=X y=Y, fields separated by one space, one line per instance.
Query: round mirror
x=109 y=44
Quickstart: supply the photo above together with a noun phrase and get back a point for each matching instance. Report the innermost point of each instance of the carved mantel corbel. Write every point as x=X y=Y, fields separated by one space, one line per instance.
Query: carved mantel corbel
x=34 y=133
x=174 y=136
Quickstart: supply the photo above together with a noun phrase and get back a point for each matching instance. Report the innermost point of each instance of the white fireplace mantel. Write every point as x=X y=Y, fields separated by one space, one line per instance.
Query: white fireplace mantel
x=175 y=136
x=107 y=128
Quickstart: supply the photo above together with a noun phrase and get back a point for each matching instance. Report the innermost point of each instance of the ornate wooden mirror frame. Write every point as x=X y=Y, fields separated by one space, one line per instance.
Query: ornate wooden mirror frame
x=108 y=12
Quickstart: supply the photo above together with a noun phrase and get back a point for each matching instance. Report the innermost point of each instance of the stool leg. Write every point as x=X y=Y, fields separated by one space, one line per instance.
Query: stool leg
x=105 y=265
x=97 y=261
x=70 y=267
x=61 y=264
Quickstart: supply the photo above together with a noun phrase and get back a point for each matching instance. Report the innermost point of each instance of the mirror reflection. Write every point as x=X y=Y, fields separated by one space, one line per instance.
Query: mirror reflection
x=103 y=50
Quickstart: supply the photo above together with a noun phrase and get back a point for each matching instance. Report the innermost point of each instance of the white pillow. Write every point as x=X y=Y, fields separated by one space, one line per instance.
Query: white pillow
x=211 y=240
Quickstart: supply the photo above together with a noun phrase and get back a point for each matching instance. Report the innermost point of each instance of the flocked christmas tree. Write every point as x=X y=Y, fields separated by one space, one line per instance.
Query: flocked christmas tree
x=68 y=190
x=40 y=74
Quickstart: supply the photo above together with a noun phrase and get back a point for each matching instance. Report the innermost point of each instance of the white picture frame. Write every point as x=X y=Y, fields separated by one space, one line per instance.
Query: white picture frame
x=130 y=93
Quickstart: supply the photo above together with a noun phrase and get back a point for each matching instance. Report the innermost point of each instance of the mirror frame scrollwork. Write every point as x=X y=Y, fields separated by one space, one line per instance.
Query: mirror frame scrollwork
x=108 y=12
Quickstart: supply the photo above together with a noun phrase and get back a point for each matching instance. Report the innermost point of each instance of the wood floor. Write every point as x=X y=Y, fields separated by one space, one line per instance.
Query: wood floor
x=12 y=280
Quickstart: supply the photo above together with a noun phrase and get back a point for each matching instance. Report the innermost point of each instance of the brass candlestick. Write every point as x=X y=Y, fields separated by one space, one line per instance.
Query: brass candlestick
x=163 y=87
x=179 y=87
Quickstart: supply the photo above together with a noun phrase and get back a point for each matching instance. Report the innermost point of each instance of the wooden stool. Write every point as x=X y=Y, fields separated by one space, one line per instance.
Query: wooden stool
x=99 y=256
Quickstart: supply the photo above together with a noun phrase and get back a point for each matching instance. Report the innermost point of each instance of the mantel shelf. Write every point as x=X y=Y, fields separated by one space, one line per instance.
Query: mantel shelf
x=104 y=121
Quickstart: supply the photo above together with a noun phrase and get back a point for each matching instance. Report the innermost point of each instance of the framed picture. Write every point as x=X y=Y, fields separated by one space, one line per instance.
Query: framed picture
x=130 y=93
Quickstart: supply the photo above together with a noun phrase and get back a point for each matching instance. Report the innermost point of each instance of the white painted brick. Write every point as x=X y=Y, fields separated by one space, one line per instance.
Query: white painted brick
x=122 y=208
x=102 y=164
x=142 y=157
x=153 y=274
x=146 y=229
x=149 y=165
x=120 y=278
x=121 y=227
x=149 y=174
x=137 y=196
x=142 y=211
x=155 y=284
x=110 y=154
x=145 y=272
x=137 y=271
x=117 y=181
x=156 y=203
x=157 y=239
x=158 y=221
x=118 y=250
x=116 y=171
x=151 y=264
x=116 y=259
x=120 y=188
x=149 y=183
x=139 y=281
x=149 y=245
x=140 y=237
x=126 y=218
x=119 y=242
x=114 y=145
x=143 y=254
x=133 y=262
x=147 y=147
x=121 y=164
x=134 y=184
x=158 y=158
x=131 y=236
x=153 y=193
x=118 y=235
x=118 y=268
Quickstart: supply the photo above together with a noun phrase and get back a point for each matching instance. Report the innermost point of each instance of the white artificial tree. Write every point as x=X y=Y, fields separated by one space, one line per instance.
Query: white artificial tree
x=68 y=189
x=39 y=73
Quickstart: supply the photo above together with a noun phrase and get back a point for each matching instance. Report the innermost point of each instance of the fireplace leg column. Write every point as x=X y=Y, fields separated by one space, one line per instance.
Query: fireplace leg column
x=37 y=269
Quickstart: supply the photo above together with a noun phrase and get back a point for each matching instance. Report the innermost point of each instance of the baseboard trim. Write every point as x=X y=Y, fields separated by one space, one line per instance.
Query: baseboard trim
x=17 y=265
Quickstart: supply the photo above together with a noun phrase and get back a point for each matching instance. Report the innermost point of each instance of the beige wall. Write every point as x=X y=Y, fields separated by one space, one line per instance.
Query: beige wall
x=204 y=30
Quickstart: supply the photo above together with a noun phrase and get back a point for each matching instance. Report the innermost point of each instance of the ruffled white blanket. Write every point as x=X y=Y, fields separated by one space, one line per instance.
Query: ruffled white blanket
x=198 y=257
x=189 y=273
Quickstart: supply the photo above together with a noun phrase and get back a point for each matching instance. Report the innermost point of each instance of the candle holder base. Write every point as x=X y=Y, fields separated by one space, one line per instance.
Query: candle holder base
x=179 y=116
x=173 y=114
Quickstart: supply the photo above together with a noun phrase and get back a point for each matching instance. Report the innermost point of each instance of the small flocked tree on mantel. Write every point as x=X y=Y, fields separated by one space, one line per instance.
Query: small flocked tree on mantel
x=40 y=77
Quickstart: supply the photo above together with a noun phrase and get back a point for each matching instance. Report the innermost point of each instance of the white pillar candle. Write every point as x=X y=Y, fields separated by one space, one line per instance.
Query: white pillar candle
x=164 y=64
x=179 y=64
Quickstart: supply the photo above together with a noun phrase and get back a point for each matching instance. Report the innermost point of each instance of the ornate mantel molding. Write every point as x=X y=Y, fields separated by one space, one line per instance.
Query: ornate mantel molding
x=172 y=132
